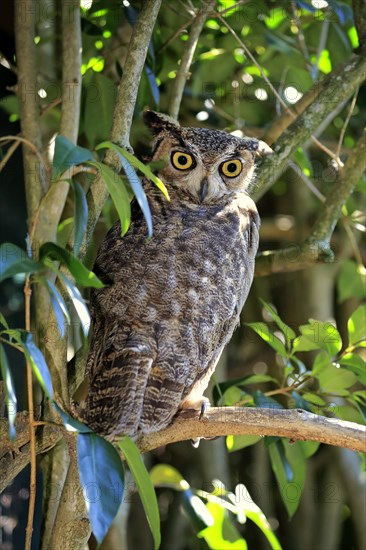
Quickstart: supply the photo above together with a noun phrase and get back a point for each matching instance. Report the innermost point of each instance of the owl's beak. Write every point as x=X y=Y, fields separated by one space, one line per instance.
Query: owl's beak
x=203 y=189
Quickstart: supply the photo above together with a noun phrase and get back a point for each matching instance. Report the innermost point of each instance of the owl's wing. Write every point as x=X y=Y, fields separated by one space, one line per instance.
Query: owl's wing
x=130 y=389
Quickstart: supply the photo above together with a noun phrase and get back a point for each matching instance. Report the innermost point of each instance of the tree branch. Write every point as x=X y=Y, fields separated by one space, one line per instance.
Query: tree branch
x=124 y=108
x=316 y=248
x=292 y=423
x=339 y=88
x=187 y=58
x=71 y=69
x=18 y=457
x=27 y=92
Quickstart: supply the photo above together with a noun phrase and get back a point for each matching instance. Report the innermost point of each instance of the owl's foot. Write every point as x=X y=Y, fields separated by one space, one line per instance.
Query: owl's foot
x=205 y=403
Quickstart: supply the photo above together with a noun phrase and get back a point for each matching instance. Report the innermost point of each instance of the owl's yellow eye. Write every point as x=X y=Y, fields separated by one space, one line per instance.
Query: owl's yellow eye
x=231 y=168
x=182 y=161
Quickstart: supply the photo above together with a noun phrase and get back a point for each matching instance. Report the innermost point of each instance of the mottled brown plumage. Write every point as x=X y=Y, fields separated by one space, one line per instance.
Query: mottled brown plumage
x=173 y=301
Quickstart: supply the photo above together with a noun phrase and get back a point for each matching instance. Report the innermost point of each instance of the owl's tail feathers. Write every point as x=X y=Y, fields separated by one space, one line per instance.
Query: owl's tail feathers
x=115 y=400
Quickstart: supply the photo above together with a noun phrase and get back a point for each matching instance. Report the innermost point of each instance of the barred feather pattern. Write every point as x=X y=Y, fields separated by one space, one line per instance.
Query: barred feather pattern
x=170 y=305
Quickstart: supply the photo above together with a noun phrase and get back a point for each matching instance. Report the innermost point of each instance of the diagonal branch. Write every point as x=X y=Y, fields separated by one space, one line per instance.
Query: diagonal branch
x=340 y=86
x=124 y=108
x=316 y=248
x=187 y=58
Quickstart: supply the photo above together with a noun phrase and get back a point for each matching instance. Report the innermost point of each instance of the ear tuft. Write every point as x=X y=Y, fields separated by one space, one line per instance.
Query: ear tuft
x=158 y=122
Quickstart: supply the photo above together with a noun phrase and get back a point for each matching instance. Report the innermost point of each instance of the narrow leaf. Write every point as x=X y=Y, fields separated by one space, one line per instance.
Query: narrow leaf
x=102 y=478
x=80 y=215
x=144 y=485
x=35 y=357
x=14 y=260
x=70 y=423
x=3 y=321
x=82 y=275
x=118 y=192
x=10 y=395
x=78 y=303
x=66 y=155
x=153 y=85
x=266 y=334
x=136 y=163
x=136 y=186
x=287 y=331
x=59 y=307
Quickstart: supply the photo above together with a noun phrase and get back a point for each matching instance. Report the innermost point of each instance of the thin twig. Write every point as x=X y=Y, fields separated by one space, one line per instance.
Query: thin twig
x=344 y=127
x=27 y=143
x=187 y=58
x=353 y=241
x=321 y=46
x=32 y=433
x=273 y=89
x=8 y=154
x=300 y=36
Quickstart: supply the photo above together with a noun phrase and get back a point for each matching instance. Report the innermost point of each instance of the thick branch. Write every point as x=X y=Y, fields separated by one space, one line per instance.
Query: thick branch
x=135 y=60
x=292 y=423
x=187 y=58
x=71 y=69
x=12 y=463
x=124 y=108
x=316 y=249
x=349 y=176
x=27 y=91
x=339 y=88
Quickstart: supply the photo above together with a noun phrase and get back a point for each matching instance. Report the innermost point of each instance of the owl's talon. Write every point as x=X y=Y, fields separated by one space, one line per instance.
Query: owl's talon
x=204 y=406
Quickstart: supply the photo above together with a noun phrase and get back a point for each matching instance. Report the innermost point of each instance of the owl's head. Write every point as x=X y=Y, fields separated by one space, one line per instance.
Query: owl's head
x=200 y=164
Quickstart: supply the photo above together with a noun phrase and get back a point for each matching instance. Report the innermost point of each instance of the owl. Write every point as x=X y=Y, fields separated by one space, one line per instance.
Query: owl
x=172 y=302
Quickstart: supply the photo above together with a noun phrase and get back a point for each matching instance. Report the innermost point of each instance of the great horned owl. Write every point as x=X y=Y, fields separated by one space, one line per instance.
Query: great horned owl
x=173 y=301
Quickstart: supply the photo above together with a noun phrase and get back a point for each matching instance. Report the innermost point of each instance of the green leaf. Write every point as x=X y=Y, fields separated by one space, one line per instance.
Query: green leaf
x=357 y=326
x=332 y=378
x=164 y=475
x=244 y=502
x=134 y=182
x=265 y=333
x=80 y=216
x=318 y=335
x=78 y=303
x=70 y=423
x=10 y=395
x=356 y=364
x=102 y=478
x=287 y=331
x=237 y=442
x=351 y=281
x=136 y=163
x=14 y=260
x=222 y=534
x=144 y=485
x=66 y=155
x=289 y=466
x=35 y=358
x=3 y=321
x=265 y=402
x=314 y=399
x=118 y=192
x=59 y=307
x=82 y=275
